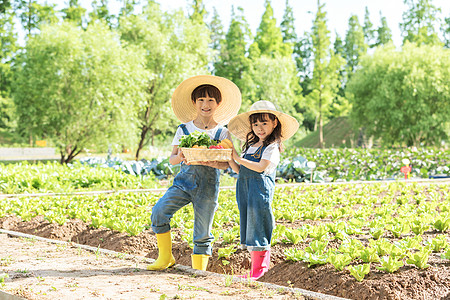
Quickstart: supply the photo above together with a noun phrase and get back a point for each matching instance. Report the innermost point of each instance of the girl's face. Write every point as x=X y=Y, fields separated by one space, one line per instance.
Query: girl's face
x=206 y=106
x=264 y=128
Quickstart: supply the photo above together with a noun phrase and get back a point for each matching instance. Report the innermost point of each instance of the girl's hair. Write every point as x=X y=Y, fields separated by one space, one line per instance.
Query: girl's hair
x=204 y=90
x=275 y=136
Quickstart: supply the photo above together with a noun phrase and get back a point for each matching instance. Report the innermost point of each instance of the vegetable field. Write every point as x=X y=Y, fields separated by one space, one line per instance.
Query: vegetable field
x=360 y=241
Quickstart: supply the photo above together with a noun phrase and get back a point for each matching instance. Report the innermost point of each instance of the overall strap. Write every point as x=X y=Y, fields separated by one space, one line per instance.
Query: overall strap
x=218 y=132
x=183 y=127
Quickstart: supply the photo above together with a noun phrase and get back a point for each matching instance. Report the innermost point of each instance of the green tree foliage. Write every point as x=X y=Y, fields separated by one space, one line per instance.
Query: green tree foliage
x=272 y=79
x=287 y=26
x=446 y=32
x=198 y=12
x=269 y=40
x=216 y=28
x=74 y=12
x=369 y=32
x=176 y=48
x=355 y=45
x=419 y=22
x=384 y=33
x=327 y=65
x=8 y=46
x=403 y=96
x=128 y=7
x=32 y=14
x=100 y=11
x=233 y=60
x=86 y=90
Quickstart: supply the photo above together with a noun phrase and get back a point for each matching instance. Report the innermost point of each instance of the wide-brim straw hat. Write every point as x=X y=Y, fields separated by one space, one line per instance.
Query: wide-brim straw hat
x=184 y=108
x=240 y=125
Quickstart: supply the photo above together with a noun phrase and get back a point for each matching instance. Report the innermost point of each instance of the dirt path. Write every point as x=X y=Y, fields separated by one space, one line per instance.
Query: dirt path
x=41 y=270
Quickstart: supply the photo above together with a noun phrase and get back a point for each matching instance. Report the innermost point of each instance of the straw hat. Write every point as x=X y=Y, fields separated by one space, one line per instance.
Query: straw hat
x=185 y=110
x=240 y=125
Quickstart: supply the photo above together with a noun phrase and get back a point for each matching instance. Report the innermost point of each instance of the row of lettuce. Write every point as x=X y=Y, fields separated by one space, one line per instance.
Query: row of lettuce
x=355 y=228
x=330 y=165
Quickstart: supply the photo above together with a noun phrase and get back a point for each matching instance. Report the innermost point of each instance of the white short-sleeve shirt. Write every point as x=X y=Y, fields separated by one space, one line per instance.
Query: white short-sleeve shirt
x=271 y=153
x=191 y=128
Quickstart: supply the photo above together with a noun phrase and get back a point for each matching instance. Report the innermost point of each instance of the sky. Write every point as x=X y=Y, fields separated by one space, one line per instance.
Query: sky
x=338 y=12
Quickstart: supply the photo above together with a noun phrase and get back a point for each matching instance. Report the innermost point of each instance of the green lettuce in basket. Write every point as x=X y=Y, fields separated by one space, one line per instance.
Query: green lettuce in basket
x=196 y=138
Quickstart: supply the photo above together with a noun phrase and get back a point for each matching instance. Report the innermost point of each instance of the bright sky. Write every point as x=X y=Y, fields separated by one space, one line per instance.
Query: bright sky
x=338 y=12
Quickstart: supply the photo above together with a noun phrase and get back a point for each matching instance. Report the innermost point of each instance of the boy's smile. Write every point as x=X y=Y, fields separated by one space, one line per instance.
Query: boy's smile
x=206 y=106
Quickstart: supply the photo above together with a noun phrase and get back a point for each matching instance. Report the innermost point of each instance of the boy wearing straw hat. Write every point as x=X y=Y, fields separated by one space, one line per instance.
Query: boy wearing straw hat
x=203 y=103
x=262 y=128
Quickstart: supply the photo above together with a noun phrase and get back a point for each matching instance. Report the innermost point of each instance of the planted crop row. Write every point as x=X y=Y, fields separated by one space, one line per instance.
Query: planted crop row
x=372 y=164
x=54 y=177
x=349 y=226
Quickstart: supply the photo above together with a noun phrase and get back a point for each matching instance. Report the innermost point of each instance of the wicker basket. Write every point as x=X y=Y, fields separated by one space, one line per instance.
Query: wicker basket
x=198 y=154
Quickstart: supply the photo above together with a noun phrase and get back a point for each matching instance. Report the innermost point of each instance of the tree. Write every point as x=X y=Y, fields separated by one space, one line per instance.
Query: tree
x=338 y=45
x=402 y=96
x=233 y=60
x=216 y=28
x=268 y=39
x=272 y=79
x=128 y=7
x=446 y=32
x=74 y=13
x=101 y=12
x=287 y=26
x=176 y=48
x=384 y=33
x=327 y=65
x=8 y=47
x=32 y=14
x=86 y=91
x=369 y=32
x=355 y=45
x=419 y=22
x=199 y=12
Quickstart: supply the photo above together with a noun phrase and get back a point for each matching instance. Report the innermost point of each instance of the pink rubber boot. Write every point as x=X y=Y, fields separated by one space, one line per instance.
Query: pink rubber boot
x=260 y=264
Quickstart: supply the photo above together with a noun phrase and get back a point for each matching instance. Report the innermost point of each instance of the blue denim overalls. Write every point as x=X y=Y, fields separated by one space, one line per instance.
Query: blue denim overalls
x=194 y=184
x=254 y=194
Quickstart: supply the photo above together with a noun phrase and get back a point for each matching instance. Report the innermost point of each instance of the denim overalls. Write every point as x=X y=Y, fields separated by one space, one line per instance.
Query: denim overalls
x=194 y=184
x=254 y=194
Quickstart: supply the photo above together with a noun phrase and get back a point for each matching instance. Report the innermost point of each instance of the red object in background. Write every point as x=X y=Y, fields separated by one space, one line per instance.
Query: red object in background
x=405 y=170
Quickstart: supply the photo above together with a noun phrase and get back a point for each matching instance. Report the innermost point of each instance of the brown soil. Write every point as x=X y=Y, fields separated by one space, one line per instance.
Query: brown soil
x=407 y=283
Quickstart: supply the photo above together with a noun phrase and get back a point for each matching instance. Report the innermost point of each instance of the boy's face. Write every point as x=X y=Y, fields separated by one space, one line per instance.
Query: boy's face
x=206 y=106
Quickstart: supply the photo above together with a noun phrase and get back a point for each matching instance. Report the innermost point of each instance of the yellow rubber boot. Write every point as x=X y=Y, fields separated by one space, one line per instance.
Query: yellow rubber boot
x=199 y=261
x=165 y=257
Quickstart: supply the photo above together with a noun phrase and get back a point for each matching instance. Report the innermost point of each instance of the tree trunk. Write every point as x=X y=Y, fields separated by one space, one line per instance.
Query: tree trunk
x=320 y=122
x=71 y=153
x=141 y=141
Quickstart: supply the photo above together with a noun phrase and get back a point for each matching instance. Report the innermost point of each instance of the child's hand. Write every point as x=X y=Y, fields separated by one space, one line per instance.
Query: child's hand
x=181 y=156
x=235 y=154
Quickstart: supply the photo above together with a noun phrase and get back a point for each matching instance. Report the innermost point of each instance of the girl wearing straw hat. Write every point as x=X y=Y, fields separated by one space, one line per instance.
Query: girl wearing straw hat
x=262 y=129
x=203 y=103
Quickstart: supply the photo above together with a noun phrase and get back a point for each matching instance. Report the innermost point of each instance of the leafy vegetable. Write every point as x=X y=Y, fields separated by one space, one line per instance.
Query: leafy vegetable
x=196 y=138
x=359 y=271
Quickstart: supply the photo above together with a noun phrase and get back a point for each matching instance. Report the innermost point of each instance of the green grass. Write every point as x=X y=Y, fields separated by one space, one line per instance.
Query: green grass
x=337 y=133
x=9 y=139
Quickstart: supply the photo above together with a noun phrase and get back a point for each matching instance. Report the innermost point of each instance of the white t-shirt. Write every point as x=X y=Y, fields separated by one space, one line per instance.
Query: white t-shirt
x=191 y=128
x=271 y=153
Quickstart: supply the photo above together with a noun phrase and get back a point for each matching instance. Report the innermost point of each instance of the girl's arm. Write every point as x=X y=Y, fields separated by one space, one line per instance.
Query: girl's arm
x=253 y=165
x=233 y=163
